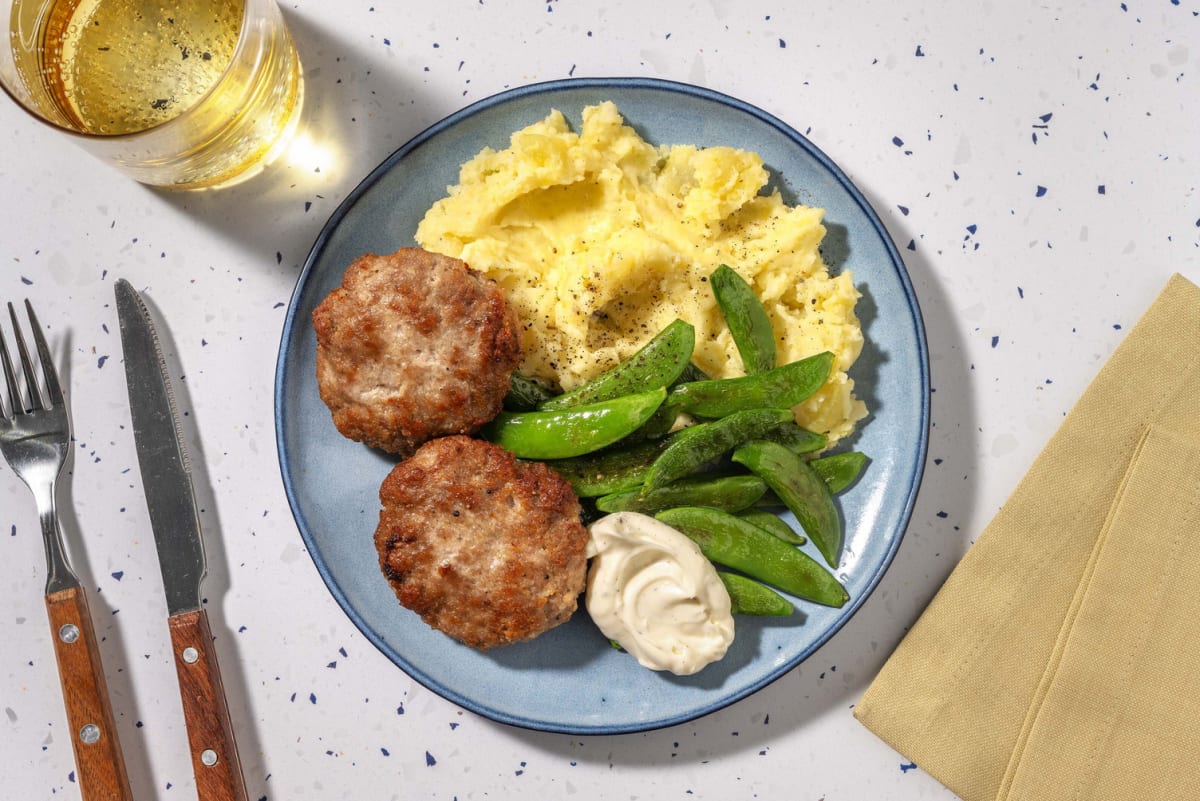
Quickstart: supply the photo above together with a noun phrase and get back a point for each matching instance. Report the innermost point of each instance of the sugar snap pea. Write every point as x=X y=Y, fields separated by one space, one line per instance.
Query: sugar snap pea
x=797 y=439
x=749 y=597
x=657 y=364
x=839 y=470
x=780 y=388
x=694 y=447
x=800 y=488
x=772 y=524
x=660 y=423
x=731 y=493
x=610 y=470
x=563 y=433
x=525 y=393
x=732 y=542
x=747 y=319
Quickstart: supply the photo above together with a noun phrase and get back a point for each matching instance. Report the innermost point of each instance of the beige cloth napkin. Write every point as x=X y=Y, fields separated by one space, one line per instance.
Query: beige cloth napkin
x=1061 y=659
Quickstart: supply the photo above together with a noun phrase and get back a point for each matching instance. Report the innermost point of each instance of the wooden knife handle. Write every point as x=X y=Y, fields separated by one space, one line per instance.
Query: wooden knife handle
x=210 y=734
x=100 y=765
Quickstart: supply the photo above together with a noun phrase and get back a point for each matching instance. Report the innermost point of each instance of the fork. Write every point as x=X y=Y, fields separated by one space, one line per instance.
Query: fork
x=34 y=437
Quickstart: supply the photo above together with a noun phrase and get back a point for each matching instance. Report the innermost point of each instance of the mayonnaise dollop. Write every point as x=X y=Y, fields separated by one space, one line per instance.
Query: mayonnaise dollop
x=650 y=589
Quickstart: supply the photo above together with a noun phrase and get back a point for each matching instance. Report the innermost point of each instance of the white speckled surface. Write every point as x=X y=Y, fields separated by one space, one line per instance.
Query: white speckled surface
x=1035 y=164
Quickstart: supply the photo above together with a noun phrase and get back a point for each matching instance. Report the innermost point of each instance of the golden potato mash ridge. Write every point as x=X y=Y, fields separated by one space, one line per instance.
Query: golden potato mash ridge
x=600 y=239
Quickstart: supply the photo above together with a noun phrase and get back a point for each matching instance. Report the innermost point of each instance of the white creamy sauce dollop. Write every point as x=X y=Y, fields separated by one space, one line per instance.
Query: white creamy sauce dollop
x=650 y=589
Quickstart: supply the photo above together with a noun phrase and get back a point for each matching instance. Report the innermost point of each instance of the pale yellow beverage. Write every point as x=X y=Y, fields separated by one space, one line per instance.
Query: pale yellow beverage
x=192 y=93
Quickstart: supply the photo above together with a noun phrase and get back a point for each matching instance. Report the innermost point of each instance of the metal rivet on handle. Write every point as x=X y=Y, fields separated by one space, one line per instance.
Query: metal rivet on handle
x=208 y=757
x=190 y=655
x=90 y=733
x=68 y=633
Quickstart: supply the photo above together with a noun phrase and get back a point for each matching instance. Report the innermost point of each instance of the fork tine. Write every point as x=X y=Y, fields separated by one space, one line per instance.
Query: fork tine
x=49 y=373
x=31 y=382
x=10 y=379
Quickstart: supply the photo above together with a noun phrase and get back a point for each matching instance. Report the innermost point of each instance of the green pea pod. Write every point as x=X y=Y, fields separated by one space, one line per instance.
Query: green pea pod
x=660 y=423
x=747 y=319
x=780 y=388
x=610 y=470
x=694 y=447
x=564 y=433
x=839 y=470
x=657 y=364
x=772 y=524
x=664 y=419
x=749 y=597
x=797 y=439
x=524 y=394
x=732 y=542
x=731 y=493
x=801 y=490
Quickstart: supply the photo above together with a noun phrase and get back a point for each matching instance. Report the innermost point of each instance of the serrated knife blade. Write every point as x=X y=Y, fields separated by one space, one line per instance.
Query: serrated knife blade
x=175 y=522
x=162 y=456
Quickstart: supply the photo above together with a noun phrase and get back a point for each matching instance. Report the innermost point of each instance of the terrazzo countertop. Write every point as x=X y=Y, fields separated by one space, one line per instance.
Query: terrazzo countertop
x=1036 y=165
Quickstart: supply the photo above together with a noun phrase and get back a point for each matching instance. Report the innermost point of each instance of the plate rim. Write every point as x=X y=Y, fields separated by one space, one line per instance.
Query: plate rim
x=545 y=87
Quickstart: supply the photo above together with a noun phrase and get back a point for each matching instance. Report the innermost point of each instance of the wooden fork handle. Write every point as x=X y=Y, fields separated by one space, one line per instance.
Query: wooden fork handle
x=214 y=753
x=100 y=765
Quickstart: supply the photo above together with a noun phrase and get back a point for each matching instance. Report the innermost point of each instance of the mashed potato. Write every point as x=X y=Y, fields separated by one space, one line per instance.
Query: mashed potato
x=601 y=239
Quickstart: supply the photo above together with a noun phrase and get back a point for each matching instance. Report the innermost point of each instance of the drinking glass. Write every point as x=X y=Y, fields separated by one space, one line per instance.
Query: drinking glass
x=186 y=94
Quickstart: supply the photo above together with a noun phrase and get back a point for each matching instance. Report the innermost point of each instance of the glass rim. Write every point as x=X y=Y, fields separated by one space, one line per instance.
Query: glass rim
x=133 y=135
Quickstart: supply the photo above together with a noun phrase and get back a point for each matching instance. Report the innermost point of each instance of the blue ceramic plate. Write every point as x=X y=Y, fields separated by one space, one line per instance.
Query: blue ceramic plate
x=569 y=680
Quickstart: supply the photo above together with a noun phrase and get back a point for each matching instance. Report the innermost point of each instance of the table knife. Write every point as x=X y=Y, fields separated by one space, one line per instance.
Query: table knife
x=175 y=521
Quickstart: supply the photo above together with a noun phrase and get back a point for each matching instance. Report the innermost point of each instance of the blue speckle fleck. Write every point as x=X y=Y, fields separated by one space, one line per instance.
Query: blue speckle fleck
x=906 y=767
x=920 y=53
x=995 y=341
x=312 y=698
x=1100 y=189
x=384 y=751
x=429 y=760
x=1041 y=191
x=118 y=575
x=782 y=44
x=100 y=362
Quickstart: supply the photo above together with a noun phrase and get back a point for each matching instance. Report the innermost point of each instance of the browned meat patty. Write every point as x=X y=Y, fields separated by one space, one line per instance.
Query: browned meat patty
x=483 y=547
x=413 y=345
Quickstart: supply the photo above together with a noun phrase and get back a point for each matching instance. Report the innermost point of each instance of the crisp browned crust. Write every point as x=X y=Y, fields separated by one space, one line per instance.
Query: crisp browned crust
x=411 y=346
x=483 y=547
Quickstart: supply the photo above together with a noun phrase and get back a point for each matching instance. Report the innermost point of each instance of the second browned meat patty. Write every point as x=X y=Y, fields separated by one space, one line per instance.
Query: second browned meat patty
x=483 y=547
x=413 y=345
